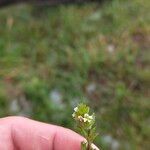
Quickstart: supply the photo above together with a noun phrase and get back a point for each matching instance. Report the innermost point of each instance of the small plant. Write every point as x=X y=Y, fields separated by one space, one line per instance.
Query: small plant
x=86 y=125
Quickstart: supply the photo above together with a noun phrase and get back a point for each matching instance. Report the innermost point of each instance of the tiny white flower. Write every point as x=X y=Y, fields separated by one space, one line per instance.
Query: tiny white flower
x=89 y=121
x=73 y=115
x=85 y=119
x=76 y=109
x=90 y=117
x=86 y=115
x=80 y=118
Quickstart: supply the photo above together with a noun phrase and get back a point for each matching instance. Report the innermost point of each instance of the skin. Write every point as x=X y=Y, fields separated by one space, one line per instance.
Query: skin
x=18 y=133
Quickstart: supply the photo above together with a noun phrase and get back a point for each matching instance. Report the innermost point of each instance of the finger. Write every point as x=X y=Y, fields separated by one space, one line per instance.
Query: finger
x=6 y=142
x=30 y=135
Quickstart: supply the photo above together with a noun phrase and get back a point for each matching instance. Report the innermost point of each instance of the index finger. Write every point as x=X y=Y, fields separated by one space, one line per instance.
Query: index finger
x=27 y=134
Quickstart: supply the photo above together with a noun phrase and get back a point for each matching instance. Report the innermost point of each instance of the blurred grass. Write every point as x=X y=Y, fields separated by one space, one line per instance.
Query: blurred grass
x=99 y=53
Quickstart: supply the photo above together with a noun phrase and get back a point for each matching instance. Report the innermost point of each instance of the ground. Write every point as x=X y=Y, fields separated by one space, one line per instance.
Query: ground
x=51 y=59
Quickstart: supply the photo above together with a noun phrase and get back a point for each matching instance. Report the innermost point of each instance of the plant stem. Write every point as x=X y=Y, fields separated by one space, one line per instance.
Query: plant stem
x=89 y=146
x=88 y=141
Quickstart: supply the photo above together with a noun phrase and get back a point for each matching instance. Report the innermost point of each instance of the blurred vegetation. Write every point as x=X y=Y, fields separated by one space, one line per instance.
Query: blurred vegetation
x=53 y=58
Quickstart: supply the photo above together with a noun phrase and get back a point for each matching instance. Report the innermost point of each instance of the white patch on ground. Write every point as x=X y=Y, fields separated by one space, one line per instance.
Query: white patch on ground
x=95 y=16
x=113 y=143
x=111 y=48
x=91 y=88
x=56 y=97
x=107 y=139
x=14 y=106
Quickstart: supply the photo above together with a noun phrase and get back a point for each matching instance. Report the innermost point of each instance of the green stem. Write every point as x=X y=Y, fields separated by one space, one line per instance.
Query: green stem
x=89 y=146
x=89 y=142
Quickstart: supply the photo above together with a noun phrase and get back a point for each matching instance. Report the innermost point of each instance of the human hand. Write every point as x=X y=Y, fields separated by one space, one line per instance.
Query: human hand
x=18 y=133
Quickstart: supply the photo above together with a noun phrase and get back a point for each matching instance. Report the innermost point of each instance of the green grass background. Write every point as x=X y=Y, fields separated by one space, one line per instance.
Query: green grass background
x=99 y=54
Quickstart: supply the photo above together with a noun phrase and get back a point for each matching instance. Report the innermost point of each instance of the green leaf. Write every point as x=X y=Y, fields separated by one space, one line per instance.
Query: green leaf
x=82 y=131
x=93 y=134
x=83 y=109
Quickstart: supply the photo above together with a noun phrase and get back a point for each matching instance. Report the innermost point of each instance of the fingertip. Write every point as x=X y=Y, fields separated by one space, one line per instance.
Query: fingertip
x=67 y=139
